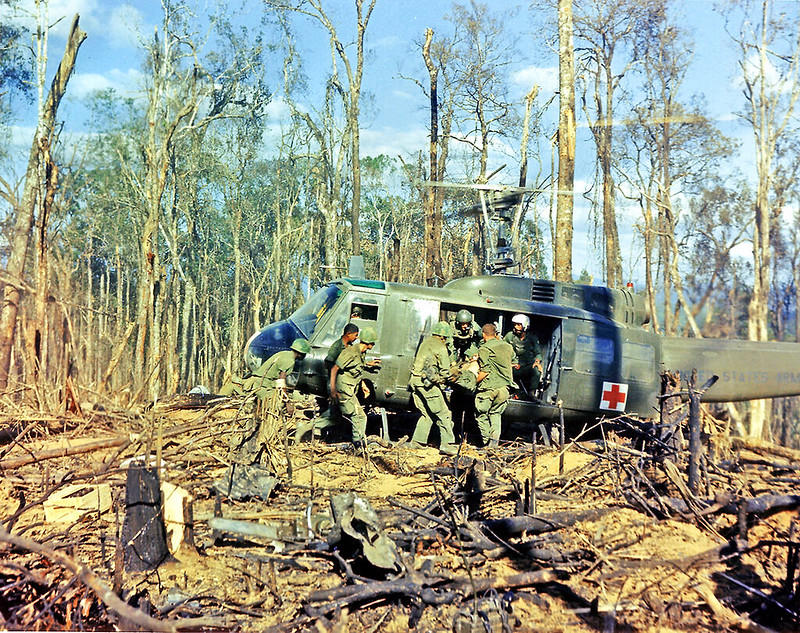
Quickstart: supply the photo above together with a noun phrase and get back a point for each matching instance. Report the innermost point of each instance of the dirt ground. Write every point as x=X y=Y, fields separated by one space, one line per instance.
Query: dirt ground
x=606 y=563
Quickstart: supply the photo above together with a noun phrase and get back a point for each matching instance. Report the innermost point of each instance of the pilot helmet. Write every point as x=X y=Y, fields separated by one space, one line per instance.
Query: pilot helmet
x=368 y=335
x=301 y=346
x=463 y=316
x=356 y=312
x=522 y=319
x=442 y=328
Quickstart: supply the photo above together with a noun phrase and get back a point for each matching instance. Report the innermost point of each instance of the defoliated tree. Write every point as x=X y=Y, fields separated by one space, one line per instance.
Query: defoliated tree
x=562 y=239
x=351 y=93
x=185 y=93
x=671 y=149
x=770 y=65
x=604 y=29
x=35 y=186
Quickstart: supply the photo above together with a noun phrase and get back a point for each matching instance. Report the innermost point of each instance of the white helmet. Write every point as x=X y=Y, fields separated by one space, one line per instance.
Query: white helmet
x=522 y=319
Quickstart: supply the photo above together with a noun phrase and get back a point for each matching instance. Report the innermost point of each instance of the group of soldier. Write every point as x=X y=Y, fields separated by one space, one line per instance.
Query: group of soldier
x=472 y=361
x=458 y=356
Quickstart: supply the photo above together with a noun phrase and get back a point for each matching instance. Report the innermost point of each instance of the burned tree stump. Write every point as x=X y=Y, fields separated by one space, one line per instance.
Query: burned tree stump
x=671 y=413
x=143 y=531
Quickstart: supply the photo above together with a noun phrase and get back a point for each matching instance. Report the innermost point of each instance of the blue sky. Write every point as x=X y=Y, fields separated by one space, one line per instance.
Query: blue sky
x=397 y=123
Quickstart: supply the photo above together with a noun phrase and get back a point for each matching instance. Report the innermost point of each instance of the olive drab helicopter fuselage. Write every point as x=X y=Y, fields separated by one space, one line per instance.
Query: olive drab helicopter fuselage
x=599 y=359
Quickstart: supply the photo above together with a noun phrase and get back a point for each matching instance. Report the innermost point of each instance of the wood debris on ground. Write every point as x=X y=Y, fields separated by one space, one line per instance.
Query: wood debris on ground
x=605 y=532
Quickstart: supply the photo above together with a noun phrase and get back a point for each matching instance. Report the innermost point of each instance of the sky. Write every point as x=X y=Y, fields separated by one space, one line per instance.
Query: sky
x=397 y=120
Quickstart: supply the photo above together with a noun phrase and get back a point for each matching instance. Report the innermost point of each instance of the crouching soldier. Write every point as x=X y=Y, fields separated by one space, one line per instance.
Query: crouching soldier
x=345 y=380
x=270 y=376
x=430 y=371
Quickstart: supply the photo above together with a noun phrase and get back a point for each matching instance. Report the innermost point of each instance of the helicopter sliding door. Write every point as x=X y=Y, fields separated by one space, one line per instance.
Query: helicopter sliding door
x=607 y=370
x=406 y=321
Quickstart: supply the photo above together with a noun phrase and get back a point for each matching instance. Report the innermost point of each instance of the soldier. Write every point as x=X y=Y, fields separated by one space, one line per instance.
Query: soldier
x=527 y=363
x=270 y=375
x=349 y=335
x=345 y=379
x=331 y=415
x=466 y=337
x=463 y=347
x=495 y=376
x=431 y=369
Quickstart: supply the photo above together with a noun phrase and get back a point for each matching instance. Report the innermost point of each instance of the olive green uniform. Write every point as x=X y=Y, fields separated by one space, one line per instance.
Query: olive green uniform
x=526 y=351
x=430 y=370
x=332 y=414
x=262 y=380
x=333 y=353
x=464 y=345
x=491 y=397
x=351 y=363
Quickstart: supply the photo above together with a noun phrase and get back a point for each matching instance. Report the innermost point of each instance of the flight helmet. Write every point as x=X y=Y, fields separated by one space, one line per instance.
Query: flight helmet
x=522 y=319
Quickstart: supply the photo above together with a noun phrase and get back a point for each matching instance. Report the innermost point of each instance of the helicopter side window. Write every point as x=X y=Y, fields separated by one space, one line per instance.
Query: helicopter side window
x=638 y=362
x=593 y=354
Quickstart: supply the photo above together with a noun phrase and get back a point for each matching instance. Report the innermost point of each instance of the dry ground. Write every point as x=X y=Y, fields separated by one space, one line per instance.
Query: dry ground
x=626 y=566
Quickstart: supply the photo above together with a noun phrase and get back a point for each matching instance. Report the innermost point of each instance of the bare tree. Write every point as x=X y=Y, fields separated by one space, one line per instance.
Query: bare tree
x=433 y=208
x=770 y=65
x=351 y=95
x=562 y=240
x=24 y=215
x=604 y=28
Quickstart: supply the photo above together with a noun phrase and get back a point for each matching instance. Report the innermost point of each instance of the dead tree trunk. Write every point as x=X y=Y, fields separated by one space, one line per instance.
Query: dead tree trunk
x=433 y=216
x=24 y=214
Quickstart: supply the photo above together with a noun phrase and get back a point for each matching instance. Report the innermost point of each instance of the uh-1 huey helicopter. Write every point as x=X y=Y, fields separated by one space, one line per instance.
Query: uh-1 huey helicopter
x=599 y=358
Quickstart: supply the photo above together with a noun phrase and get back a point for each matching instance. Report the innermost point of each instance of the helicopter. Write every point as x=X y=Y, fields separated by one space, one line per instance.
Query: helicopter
x=599 y=358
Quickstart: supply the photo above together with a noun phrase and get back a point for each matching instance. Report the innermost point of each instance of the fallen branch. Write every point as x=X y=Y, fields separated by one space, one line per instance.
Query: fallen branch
x=100 y=588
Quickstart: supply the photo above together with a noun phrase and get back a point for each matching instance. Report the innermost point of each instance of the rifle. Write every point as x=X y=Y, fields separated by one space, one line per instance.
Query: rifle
x=547 y=374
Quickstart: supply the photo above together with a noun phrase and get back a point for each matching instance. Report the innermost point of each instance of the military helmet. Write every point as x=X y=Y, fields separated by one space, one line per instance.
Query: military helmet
x=368 y=335
x=464 y=316
x=522 y=319
x=301 y=346
x=442 y=328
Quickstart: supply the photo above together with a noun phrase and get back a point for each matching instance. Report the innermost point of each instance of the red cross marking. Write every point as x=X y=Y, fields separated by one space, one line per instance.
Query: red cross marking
x=614 y=396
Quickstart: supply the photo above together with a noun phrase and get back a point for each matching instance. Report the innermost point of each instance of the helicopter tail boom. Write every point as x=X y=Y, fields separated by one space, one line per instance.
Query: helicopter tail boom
x=747 y=370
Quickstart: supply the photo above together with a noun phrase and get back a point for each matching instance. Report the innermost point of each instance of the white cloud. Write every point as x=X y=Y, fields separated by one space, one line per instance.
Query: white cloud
x=83 y=84
x=125 y=25
x=278 y=110
x=545 y=78
x=125 y=82
x=60 y=14
x=392 y=141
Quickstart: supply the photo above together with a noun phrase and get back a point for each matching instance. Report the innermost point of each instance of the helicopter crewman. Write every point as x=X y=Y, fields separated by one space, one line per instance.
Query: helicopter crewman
x=345 y=380
x=495 y=376
x=430 y=371
x=270 y=375
x=331 y=415
x=527 y=364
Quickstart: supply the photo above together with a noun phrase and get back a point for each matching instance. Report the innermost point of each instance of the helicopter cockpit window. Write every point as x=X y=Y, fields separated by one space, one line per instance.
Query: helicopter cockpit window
x=309 y=315
x=365 y=309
